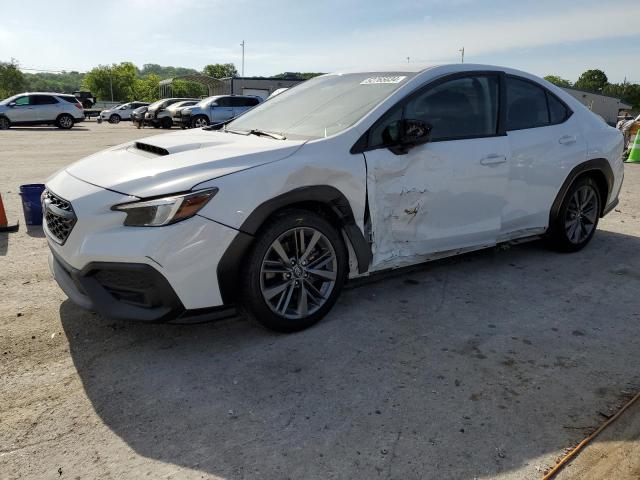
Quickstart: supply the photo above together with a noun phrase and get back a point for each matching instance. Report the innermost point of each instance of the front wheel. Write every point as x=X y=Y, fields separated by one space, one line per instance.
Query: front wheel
x=4 y=123
x=200 y=121
x=577 y=219
x=167 y=123
x=294 y=273
x=115 y=118
x=65 y=121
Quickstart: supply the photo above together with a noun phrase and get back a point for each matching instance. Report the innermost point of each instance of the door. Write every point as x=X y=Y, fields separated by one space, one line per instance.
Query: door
x=23 y=110
x=47 y=107
x=448 y=193
x=221 y=110
x=546 y=143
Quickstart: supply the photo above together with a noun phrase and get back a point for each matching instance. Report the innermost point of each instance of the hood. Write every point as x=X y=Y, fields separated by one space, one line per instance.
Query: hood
x=178 y=161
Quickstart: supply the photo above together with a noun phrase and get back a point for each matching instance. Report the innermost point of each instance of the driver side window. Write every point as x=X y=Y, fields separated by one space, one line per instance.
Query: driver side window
x=456 y=109
x=460 y=108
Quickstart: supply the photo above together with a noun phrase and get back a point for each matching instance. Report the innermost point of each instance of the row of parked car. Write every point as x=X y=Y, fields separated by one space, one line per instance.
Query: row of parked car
x=182 y=112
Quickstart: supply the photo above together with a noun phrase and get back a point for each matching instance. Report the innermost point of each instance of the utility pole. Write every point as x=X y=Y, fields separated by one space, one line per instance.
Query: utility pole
x=462 y=51
x=111 y=82
x=242 y=45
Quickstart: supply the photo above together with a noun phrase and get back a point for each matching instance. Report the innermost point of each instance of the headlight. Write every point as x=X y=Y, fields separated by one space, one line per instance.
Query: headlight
x=166 y=210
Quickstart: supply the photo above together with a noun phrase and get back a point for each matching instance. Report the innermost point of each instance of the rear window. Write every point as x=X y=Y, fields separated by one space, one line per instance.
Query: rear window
x=557 y=111
x=526 y=105
x=69 y=98
x=43 y=100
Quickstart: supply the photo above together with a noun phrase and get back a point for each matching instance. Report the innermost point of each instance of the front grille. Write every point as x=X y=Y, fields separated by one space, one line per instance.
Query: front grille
x=58 y=215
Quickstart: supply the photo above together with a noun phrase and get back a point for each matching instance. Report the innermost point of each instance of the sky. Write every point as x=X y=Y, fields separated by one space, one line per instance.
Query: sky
x=561 y=37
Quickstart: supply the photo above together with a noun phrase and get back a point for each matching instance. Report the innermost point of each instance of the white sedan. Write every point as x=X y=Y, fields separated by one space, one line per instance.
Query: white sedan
x=344 y=175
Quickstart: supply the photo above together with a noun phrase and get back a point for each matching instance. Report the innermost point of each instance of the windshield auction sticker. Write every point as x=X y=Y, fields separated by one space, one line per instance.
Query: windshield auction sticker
x=377 y=80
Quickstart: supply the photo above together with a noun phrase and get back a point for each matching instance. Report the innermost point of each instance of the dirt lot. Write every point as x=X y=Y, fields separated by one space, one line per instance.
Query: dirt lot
x=485 y=366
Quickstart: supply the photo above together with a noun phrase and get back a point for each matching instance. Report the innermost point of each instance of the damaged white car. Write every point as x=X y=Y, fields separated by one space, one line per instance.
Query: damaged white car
x=343 y=175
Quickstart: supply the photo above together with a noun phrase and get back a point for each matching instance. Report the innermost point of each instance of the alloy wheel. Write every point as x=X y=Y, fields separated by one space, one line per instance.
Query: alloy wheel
x=200 y=122
x=66 y=122
x=298 y=273
x=582 y=214
x=4 y=123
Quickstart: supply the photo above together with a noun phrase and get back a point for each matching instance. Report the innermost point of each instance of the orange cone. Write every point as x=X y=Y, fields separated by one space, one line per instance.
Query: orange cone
x=4 y=227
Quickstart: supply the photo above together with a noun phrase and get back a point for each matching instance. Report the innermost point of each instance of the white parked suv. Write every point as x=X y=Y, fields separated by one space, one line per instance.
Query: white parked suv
x=344 y=175
x=41 y=108
x=121 y=112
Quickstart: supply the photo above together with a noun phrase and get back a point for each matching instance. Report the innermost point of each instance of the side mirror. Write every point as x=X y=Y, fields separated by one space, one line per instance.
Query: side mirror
x=12 y=104
x=403 y=135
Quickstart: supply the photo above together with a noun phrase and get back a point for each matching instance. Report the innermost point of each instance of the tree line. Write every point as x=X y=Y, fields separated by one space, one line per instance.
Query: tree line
x=596 y=81
x=126 y=82
x=122 y=82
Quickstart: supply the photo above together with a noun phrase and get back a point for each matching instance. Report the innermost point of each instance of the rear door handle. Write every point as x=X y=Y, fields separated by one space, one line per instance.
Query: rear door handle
x=493 y=159
x=567 y=139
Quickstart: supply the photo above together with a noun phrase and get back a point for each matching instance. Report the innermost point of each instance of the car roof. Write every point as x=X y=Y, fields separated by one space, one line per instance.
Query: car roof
x=58 y=94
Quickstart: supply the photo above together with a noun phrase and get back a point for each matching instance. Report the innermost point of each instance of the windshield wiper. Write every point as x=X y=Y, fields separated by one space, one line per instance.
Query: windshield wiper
x=261 y=133
x=258 y=133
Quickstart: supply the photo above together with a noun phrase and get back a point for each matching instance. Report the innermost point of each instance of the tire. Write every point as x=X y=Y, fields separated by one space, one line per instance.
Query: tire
x=167 y=123
x=199 y=122
x=65 y=121
x=5 y=123
x=279 y=287
x=115 y=119
x=577 y=220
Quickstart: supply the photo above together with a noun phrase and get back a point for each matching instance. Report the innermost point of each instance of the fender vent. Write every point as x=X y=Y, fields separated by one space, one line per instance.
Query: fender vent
x=151 y=148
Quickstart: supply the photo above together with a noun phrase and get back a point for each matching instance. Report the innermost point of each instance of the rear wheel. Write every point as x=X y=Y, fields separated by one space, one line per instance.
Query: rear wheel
x=200 y=121
x=65 y=121
x=578 y=216
x=4 y=123
x=295 y=272
x=115 y=118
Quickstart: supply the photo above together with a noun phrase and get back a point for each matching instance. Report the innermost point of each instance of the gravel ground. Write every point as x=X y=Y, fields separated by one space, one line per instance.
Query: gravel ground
x=485 y=366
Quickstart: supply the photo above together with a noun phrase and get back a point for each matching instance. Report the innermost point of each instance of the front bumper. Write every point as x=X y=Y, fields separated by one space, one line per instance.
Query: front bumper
x=173 y=268
x=127 y=291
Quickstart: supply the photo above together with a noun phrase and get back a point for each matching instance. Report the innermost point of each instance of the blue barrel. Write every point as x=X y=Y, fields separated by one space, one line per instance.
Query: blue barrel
x=31 y=203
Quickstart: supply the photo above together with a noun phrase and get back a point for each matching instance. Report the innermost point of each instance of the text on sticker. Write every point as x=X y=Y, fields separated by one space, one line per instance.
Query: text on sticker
x=376 y=80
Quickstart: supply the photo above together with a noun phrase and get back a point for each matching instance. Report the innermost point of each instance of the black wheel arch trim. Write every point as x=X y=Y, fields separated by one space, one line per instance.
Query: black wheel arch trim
x=331 y=197
x=597 y=164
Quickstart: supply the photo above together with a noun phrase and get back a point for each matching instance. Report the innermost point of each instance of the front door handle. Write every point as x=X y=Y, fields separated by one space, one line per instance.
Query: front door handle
x=493 y=159
x=567 y=139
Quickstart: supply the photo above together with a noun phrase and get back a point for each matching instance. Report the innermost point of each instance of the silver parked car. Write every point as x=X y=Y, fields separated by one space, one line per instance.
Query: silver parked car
x=156 y=115
x=216 y=109
x=41 y=108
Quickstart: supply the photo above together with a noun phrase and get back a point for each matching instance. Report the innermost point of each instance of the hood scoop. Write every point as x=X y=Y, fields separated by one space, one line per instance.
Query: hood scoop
x=146 y=147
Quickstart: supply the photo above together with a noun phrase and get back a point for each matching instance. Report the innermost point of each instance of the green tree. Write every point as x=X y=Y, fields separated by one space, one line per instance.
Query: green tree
x=627 y=92
x=220 y=70
x=11 y=79
x=112 y=82
x=559 y=81
x=301 y=75
x=147 y=89
x=185 y=89
x=593 y=80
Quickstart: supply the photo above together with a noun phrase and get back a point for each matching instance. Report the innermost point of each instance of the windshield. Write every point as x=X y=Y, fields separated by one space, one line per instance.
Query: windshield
x=157 y=104
x=323 y=105
x=10 y=99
